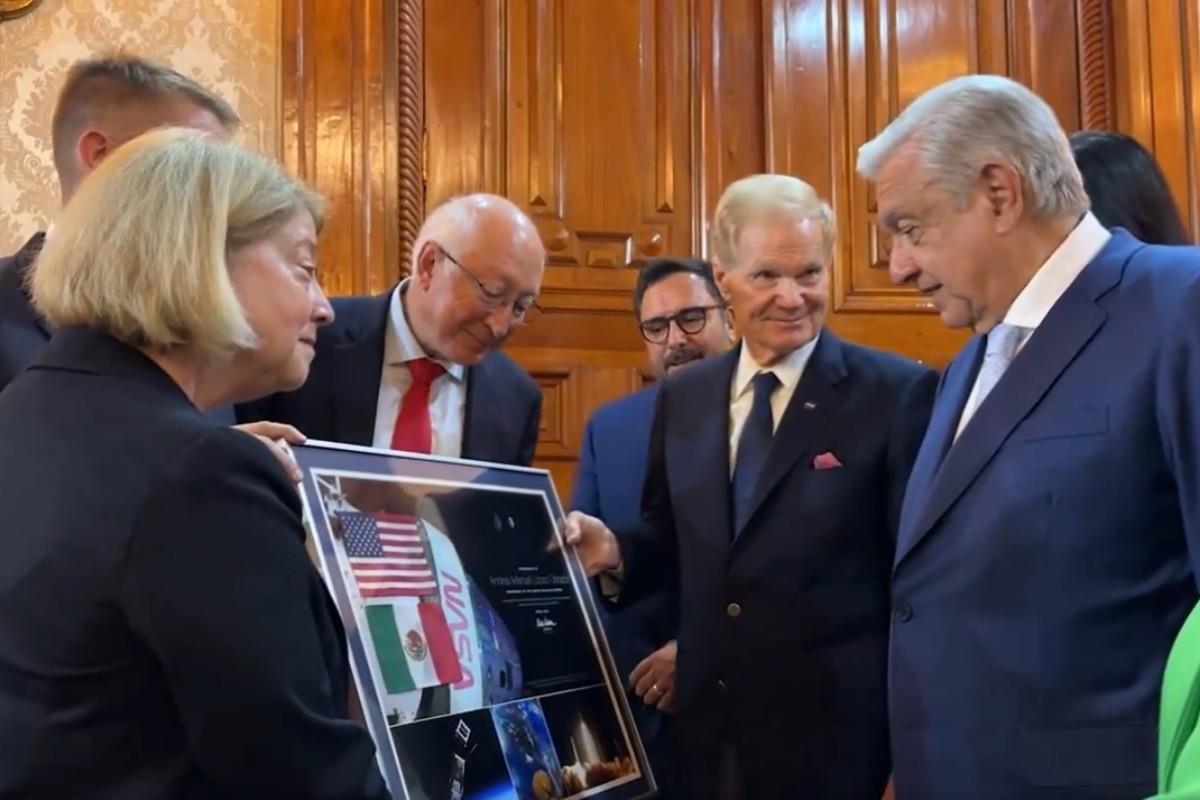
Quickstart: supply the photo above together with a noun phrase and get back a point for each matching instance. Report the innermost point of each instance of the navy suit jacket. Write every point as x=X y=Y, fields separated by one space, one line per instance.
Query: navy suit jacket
x=23 y=334
x=608 y=485
x=1046 y=560
x=338 y=401
x=783 y=629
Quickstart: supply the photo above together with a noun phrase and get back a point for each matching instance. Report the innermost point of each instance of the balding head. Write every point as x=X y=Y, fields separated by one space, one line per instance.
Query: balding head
x=476 y=269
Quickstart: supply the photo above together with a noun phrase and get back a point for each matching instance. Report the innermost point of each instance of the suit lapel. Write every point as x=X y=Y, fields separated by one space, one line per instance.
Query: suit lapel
x=952 y=397
x=814 y=408
x=702 y=445
x=358 y=363
x=477 y=421
x=1070 y=325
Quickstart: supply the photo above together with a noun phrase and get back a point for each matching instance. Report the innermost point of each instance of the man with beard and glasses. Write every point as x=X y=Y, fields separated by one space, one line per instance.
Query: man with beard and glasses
x=682 y=318
x=417 y=368
x=772 y=496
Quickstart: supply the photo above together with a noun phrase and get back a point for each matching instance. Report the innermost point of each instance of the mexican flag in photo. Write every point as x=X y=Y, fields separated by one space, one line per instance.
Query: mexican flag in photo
x=413 y=644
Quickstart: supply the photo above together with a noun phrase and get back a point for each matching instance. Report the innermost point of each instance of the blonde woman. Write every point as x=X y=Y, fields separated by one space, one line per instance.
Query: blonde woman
x=162 y=632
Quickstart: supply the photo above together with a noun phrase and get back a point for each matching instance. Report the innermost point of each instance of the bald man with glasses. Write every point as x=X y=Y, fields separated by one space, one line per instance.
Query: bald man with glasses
x=418 y=368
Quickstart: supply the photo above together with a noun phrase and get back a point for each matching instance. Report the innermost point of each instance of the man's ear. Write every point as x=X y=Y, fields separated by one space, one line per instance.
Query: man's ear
x=721 y=277
x=90 y=149
x=424 y=263
x=1002 y=192
x=727 y=321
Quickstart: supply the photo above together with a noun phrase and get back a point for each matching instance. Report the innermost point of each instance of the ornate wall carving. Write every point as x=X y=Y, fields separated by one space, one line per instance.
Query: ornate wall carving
x=411 y=48
x=1096 y=78
x=228 y=45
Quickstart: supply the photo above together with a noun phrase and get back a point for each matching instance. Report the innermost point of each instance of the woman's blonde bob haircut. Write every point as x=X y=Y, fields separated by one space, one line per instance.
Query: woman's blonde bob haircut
x=141 y=249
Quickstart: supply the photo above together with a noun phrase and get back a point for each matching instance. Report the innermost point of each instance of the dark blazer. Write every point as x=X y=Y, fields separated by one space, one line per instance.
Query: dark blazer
x=163 y=632
x=1047 y=559
x=22 y=333
x=783 y=630
x=339 y=399
x=608 y=485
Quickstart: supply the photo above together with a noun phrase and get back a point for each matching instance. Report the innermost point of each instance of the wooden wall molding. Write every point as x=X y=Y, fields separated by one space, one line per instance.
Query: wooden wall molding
x=553 y=105
x=728 y=137
x=411 y=170
x=1157 y=92
x=873 y=71
x=1097 y=82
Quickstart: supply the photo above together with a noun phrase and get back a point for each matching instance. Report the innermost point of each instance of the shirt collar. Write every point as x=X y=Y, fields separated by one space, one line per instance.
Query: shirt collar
x=1058 y=272
x=401 y=344
x=788 y=369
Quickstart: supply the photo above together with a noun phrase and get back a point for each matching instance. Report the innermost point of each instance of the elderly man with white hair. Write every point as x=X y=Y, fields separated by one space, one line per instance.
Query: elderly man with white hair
x=772 y=496
x=418 y=368
x=1051 y=529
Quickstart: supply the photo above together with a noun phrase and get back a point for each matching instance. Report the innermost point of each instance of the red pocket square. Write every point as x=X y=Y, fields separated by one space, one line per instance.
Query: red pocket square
x=826 y=461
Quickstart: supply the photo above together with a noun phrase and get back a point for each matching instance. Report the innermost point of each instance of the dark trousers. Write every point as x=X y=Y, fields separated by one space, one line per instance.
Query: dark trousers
x=728 y=782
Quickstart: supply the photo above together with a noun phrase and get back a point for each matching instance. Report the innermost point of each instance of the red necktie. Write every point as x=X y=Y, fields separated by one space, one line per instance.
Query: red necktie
x=413 y=431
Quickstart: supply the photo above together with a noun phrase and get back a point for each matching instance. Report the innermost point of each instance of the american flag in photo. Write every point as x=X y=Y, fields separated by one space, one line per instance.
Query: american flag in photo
x=387 y=555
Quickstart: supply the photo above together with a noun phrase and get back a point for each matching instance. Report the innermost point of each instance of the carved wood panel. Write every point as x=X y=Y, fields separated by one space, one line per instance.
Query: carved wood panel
x=894 y=50
x=339 y=87
x=572 y=118
x=618 y=124
x=1158 y=89
x=568 y=395
x=1097 y=84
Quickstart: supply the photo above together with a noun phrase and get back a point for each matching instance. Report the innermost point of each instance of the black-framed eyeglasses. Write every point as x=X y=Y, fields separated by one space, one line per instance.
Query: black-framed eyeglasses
x=691 y=320
x=524 y=309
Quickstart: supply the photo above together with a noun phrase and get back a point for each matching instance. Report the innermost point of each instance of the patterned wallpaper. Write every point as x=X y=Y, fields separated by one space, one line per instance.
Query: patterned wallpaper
x=231 y=46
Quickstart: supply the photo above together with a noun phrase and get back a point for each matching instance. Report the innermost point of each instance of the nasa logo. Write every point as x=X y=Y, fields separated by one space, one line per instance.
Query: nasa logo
x=414 y=645
x=452 y=601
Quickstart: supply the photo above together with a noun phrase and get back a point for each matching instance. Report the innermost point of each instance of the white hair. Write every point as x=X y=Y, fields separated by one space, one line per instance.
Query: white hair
x=959 y=125
x=464 y=215
x=757 y=196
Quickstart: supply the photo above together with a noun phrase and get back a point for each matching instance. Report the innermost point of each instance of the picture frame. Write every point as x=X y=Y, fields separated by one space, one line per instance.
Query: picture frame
x=480 y=665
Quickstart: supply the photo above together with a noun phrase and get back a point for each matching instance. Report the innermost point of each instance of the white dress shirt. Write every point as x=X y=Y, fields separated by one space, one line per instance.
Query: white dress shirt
x=1044 y=289
x=447 y=395
x=741 y=392
x=741 y=399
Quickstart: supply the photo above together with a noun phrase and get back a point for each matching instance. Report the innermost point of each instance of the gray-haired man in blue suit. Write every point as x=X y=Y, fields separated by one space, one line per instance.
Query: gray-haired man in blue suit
x=1049 y=535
